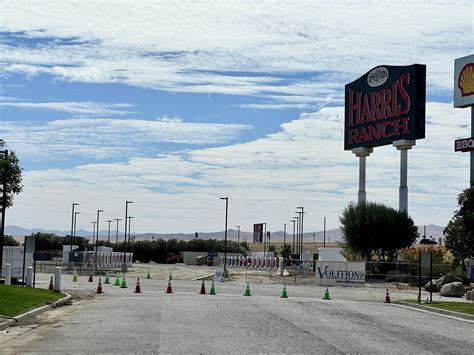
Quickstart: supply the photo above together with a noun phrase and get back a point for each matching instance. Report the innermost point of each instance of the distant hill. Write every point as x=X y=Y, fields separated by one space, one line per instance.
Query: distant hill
x=332 y=235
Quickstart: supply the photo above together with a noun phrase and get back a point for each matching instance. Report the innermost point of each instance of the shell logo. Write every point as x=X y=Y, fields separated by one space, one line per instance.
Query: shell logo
x=466 y=80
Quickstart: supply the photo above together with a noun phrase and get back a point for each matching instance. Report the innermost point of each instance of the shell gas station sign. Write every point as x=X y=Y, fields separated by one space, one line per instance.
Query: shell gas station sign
x=464 y=81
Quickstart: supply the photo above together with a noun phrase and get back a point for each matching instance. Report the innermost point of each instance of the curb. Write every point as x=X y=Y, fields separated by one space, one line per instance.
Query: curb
x=34 y=312
x=436 y=310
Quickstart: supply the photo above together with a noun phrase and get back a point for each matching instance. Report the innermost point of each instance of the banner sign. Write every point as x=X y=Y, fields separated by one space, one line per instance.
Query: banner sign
x=258 y=233
x=464 y=145
x=464 y=81
x=219 y=275
x=384 y=105
x=340 y=273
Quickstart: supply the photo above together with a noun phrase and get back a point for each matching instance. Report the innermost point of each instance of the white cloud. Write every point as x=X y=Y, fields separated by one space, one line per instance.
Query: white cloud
x=84 y=108
x=104 y=138
x=243 y=47
x=303 y=164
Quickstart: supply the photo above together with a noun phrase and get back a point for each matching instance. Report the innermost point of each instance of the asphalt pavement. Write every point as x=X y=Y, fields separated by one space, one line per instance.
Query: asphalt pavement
x=120 y=321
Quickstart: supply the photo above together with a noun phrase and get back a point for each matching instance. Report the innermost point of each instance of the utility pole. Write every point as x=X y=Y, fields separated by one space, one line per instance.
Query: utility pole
x=108 y=235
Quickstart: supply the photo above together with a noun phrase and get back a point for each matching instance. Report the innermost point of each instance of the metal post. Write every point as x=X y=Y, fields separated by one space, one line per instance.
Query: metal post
x=116 y=234
x=238 y=240
x=297 y=234
x=72 y=222
x=431 y=276
x=4 y=205
x=403 y=146
x=284 y=235
x=97 y=239
x=362 y=153
x=225 y=234
x=419 y=277
x=265 y=241
x=108 y=235
x=324 y=233
x=293 y=247
x=472 y=151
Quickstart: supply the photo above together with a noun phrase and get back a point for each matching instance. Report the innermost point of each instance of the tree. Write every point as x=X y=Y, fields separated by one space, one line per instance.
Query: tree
x=272 y=248
x=375 y=229
x=11 y=168
x=9 y=241
x=459 y=232
x=286 y=251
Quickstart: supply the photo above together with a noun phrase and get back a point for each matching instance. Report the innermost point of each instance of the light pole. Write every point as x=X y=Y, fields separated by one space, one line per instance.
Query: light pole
x=294 y=223
x=75 y=220
x=324 y=233
x=238 y=239
x=301 y=229
x=297 y=233
x=225 y=233
x=284 y=235
x=97 y=238
x=116 y=235
x=129 y=228
x=93 y=234
x=108 y=235
x=124 y=266
x=72 y=221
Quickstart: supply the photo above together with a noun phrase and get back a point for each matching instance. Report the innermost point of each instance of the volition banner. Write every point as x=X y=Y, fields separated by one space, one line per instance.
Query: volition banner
x=340 y=273
x=384 y=105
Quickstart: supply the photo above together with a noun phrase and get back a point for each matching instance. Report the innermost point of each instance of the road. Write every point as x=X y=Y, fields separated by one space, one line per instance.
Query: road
x=120 y=321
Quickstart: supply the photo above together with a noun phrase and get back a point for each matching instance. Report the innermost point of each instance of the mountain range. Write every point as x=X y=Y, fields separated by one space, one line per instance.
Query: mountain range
x=333 y=235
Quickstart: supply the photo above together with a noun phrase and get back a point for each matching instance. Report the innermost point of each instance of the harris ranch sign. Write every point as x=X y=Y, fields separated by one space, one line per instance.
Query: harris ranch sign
x=385 y=105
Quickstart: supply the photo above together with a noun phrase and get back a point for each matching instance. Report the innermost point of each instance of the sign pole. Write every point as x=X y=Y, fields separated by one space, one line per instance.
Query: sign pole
x=472 y=151
x=403 y=146
x=362 y=153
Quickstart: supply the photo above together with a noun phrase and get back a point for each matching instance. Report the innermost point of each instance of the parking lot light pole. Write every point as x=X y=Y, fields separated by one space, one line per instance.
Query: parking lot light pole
x=124 y=265
x=97 y=238
x=129 y=227
x=238 y=239
x=75 y=220
x=93 y=233
x=294 y=224
x=225 y=233
x=116 y=234
x=72 y=221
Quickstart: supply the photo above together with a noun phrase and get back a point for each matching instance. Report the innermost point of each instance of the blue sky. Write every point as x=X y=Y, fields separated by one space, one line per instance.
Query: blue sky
x=175 y=104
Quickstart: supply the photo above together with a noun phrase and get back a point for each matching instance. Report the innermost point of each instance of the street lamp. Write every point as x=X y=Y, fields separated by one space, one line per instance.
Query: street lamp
x=225 y=233
x=302 y=227
x=294 y=222
x=124 y=266
x=93 y=234
x=97 y=237
x=75 y=220
x=116 y=235
x=297 y=218
x=284 y=235
x=108 y=235
x=324 y=233
x=238 y=239
x=72 y=221
x=129 y=228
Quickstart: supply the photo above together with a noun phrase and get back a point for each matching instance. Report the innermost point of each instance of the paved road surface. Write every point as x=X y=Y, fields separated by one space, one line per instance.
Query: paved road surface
x=186 y=322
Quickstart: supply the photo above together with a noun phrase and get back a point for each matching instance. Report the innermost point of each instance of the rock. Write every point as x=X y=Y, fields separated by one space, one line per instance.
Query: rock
x=447 y=279
x=469 y=295
x=453 y=289
x=434 y=288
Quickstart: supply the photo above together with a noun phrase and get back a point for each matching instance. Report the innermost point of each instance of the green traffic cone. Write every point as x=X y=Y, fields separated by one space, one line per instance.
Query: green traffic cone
x=247 y=290
x=74 y=278
x=326 y=295
x=107 y=280
x=284 y=294
x=213 y=289
x=148 y=275
x=117 y=281
x=170 y=277
x=124 y=282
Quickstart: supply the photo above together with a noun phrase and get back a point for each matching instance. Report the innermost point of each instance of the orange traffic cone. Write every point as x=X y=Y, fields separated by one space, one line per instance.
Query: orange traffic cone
x=51 y=285
x=137 y=287
x=203 y=288
x=90 y=277
x=169 y=289
x=387 y=296
x=99 y=287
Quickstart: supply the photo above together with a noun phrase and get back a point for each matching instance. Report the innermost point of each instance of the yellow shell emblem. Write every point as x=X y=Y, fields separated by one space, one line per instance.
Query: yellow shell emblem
x=466 y=80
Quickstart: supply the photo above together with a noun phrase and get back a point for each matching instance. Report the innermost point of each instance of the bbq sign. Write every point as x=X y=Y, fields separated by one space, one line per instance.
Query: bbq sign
x=385 y=105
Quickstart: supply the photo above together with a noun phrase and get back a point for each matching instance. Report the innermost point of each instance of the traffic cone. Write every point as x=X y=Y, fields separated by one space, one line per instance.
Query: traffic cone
x=169 y=289
x=247 y=290
x=51 y=285
x=387 y=296
x=90 y=278
x=137 y=287
x=148 y=275
x=170 y=277
x=203 y=288
x=124 y=282
x=107 y=280
x=213 y=289
x=326 y=294
x=99 y=287
x=284 y=294
x=117 y=281
x=74 y=278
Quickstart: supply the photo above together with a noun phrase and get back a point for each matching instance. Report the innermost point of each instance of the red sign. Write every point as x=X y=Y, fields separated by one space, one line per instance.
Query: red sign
x=464 y=145
x=258 y=233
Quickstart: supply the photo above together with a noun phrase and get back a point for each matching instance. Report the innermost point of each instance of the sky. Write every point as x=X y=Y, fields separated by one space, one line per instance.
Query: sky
x=174 y=104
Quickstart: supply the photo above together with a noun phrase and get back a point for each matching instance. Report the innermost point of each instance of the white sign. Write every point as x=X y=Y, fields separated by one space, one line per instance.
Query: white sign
x=464 y=81
x=340 y=273
x=219 y=275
